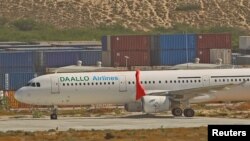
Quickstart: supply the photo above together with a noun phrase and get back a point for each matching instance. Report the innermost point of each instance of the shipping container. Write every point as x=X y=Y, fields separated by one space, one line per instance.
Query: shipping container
x=178 y=41
x=65 y=58
x=19 y=69
x=224 y=54
x=203 y=54
x=244 y=42
x=234 y=58
x=130 y=42
x=177 y=56
x=16 y=59
x=214 y=41
x=130 y=58
x=15 y=80
x=90 y=58
x=244 y=51
x=106 y=43
x=243 y=60
x=155 y=42
x=106 y=58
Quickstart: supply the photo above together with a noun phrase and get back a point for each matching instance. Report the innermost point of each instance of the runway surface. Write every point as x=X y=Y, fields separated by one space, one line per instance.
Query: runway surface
x=114 y=123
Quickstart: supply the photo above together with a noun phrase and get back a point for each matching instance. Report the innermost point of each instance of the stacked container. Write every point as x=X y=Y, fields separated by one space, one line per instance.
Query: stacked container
x=206 y=42
x=173 y=49
x=129 y=50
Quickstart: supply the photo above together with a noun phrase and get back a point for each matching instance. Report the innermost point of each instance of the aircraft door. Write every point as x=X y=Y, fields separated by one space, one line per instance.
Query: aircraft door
x=122 y=84
x=206 y=81
x=55 y=88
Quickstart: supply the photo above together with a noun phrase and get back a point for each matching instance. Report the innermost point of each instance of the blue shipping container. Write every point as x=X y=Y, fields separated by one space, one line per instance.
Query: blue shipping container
x=16 y=80
x=66 y=58
x=90 y=58
x=17 y=69
x=104 y=43
x=174 y=57
x=177 y=41
x=16 y=59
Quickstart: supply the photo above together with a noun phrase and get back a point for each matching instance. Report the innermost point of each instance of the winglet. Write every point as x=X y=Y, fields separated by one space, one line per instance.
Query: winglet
x=140 y=92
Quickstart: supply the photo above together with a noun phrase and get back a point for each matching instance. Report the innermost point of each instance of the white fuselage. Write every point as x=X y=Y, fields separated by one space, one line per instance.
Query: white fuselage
x=119 y=87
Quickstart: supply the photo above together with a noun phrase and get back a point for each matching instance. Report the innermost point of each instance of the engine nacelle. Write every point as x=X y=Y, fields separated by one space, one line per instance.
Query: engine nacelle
x=133 y=107
x=153 y=104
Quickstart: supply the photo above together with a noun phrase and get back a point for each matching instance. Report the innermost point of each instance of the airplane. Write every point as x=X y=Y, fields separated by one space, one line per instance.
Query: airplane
x=139 y=91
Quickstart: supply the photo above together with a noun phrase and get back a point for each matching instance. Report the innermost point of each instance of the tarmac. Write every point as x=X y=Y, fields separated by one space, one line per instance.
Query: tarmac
x=110 y=123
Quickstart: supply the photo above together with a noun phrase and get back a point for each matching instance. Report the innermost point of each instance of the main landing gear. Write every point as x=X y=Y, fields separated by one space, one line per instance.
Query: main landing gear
x=188 y=112
x=53 y=115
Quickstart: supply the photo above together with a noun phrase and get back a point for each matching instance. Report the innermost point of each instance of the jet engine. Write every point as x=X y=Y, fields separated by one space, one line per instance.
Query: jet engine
x=153 y=104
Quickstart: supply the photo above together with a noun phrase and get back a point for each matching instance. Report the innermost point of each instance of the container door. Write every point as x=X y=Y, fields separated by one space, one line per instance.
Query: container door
x=122 y=84
x=206 y=81
x=55 y=89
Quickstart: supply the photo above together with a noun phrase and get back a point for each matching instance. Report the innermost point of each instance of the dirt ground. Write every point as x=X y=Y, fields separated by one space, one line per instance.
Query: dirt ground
x=176 y=134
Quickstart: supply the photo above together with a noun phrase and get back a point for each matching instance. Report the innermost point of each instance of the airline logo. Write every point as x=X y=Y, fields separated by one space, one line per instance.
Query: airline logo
x=87 y=78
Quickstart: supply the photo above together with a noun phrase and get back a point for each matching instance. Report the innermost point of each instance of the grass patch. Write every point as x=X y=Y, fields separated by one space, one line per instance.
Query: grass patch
x=31 y=31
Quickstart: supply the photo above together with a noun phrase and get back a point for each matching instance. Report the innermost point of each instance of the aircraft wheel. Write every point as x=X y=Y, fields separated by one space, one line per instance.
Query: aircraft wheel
x=189 y=112
x=177 y=111
x=53 y=116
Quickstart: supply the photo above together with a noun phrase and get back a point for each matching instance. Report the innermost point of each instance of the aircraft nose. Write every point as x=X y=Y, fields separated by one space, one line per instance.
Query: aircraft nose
x=19 y=95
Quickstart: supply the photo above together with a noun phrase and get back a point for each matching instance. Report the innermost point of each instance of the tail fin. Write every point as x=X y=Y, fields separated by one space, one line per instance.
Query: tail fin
x=140 y=92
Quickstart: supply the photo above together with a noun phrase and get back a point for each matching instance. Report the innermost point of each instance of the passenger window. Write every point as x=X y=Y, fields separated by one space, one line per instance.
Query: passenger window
x=215 y=80
x=248 y=79
x=133 y=82
x=63 y=84
x=166 y=81
x=145 y=82
x=100 y=83
x=187 y=81
x=179 y=81
x=113 y=83
x=76 y=84
x=108 y=83
x=72 y=84
x=96 y=83
x=149 y=82
x=38 y=84
x=104 y=83
x=183 y=81
x=174 y=81
x=232 y=80
x=153 y=82
x=80 y=84
x=195 y=81
x=159 y=81
x=129 y=82
x=199 y=81
x=88 y=83
x=170 y=81
x=84 y=84
x=239 y=79
x=92 y=83
x=191 y=81
x=67 y=84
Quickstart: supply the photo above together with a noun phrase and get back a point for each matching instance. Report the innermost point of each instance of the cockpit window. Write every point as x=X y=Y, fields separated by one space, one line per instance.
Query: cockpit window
x=33 y=84
x=28 y=84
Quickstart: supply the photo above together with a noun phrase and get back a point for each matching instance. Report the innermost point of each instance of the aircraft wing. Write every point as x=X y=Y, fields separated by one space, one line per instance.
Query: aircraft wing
x=194 y=92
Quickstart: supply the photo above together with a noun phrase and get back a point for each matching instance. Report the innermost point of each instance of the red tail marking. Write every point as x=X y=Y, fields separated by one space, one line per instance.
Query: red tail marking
x=140 y=92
